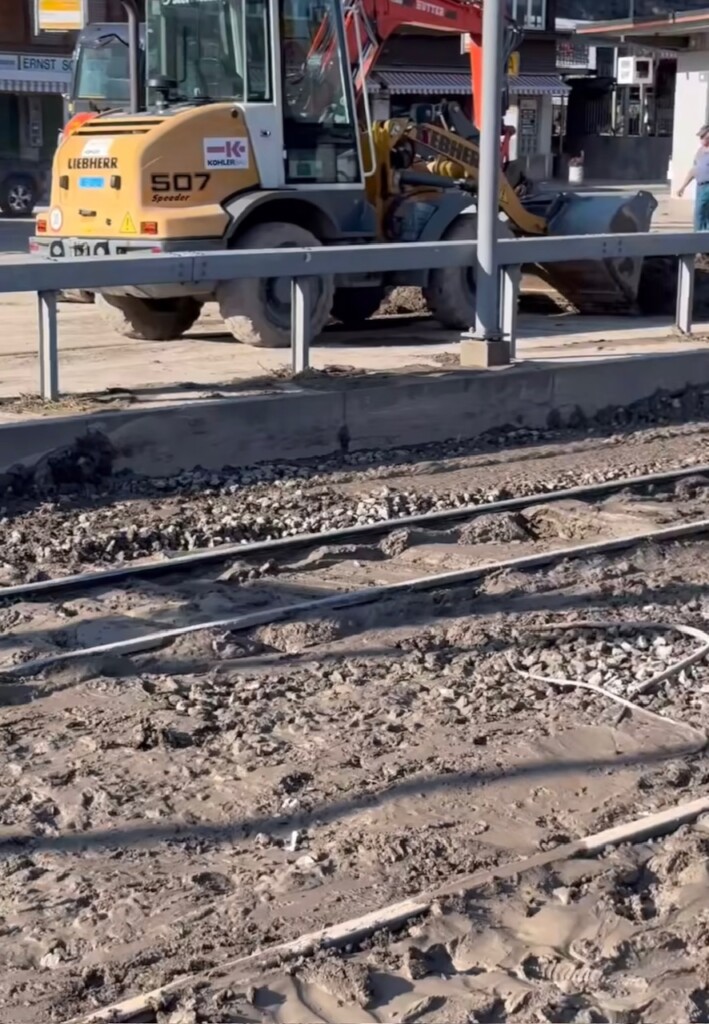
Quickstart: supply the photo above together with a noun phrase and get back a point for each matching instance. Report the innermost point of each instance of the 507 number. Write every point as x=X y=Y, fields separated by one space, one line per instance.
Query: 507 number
x=179 y=182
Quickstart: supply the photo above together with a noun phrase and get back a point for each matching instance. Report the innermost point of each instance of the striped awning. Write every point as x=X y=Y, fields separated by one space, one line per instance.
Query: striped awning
x=452 y=83
x=425 y=83
x=538 y=85
x=27 y=85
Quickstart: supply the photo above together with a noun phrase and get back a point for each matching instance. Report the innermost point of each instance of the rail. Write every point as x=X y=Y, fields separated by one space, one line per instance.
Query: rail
x=49 y=277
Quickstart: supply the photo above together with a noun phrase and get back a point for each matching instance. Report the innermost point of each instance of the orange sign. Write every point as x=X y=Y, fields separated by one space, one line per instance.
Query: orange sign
x=60 y=15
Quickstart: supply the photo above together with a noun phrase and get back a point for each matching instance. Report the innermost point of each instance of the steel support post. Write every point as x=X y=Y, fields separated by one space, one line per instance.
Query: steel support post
x=48 y=346
x=685 y=294
x=133 y=17
x=300 y=324
x=510 y=278
x=486 y=346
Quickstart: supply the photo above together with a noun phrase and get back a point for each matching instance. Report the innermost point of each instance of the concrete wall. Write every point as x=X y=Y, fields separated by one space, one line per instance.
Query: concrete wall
x=691 y=112
x=616 y=158
x=412 y=410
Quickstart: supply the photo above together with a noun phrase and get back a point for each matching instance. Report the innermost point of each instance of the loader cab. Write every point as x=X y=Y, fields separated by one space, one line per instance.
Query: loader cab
x=101 y=69
x=282 y=62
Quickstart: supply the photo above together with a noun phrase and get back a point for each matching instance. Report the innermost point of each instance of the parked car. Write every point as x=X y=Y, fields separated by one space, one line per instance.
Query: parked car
x=22 y=186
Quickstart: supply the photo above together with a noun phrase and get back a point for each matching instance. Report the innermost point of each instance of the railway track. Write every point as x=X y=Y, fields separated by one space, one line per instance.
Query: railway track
x=283 y=546
x=253 y=741
x=519 y=543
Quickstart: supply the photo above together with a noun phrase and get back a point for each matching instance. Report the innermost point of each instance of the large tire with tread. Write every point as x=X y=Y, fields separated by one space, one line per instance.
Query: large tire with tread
x=450 y=293
x=258 y=311
x=352 y=306
x=149 y=319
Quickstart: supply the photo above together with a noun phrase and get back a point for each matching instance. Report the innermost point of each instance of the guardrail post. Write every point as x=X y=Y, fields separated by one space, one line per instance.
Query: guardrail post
x=48 y=346
x=510 y=278
x=685 y=294
x=485 y=346
x=300 y=324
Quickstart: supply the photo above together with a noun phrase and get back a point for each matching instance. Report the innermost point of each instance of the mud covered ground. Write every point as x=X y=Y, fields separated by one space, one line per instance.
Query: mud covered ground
x=162 y=812
x=619 y=938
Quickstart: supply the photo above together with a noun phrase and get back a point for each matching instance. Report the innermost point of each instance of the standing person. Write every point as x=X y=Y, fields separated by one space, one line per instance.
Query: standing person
x=699 y=172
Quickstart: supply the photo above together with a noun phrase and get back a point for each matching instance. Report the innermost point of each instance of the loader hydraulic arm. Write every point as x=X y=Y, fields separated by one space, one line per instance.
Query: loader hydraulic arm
x=452 y=156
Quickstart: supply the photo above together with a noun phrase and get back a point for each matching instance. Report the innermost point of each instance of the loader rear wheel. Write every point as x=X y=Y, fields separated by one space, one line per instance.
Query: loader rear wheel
x=149 y=319
x=450 y=293
x=258 y=311
x=352 y=306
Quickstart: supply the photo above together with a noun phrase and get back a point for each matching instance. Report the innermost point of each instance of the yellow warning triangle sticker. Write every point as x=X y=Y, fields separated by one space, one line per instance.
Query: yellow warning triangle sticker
x=128 y=227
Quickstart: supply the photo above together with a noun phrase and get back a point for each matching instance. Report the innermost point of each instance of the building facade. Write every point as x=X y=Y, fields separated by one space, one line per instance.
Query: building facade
x=35 y=71
x=677 y=45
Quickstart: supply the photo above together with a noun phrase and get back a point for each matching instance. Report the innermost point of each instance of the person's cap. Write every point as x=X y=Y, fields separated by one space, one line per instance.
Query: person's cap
x=703 y=131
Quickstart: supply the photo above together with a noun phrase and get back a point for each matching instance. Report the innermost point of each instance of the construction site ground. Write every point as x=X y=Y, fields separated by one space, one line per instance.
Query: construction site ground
x=102 y=367
x=164 y=811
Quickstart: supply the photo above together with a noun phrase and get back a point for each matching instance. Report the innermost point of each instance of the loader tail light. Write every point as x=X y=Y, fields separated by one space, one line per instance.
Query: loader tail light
x=41 y=226
x=76 y=122
x=148 y=227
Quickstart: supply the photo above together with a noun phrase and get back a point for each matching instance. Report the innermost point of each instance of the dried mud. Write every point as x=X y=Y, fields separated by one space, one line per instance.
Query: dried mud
x=163 y=812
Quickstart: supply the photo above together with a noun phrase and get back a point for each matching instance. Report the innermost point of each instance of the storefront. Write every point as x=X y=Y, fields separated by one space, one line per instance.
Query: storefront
x=31 y=104
x=667 y=112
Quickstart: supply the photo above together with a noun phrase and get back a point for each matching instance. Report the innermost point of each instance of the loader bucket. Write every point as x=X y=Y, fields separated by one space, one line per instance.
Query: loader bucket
x=598 y=286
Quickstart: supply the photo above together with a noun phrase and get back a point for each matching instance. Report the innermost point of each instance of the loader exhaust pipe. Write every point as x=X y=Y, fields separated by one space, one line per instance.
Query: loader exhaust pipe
x=131 y=9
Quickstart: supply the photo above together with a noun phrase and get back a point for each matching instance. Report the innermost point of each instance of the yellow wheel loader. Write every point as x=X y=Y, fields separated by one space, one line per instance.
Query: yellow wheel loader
x=257 y=135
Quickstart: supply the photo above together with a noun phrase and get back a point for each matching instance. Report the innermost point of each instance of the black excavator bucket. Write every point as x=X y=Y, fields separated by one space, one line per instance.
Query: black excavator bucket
x=597 y=286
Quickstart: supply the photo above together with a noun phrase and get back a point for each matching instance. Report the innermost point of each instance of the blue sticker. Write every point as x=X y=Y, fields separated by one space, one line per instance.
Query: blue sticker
x=92 y=182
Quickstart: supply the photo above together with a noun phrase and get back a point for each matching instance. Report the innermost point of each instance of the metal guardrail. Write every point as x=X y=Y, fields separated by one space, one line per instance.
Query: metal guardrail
x=48 y=277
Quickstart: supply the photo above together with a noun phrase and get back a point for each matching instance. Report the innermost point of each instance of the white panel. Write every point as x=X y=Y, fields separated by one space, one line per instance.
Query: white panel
x=266 y=131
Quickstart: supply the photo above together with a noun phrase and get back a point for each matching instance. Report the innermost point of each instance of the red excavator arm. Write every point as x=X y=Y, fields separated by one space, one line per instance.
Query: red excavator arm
x=370 y=23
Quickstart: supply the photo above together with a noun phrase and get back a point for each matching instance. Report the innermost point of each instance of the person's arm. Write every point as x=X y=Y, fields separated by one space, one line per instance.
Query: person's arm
x=691 y=174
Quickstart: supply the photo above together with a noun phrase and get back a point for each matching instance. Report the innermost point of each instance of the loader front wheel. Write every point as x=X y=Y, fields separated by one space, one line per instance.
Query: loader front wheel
x=149 y=319
x=258 y=311
x=451 y=291
x=352 y=306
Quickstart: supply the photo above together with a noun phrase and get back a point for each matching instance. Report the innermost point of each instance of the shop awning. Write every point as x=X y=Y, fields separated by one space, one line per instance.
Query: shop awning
x=27 y=85
x=451 y=83
x=538 y=85
x=425 y=83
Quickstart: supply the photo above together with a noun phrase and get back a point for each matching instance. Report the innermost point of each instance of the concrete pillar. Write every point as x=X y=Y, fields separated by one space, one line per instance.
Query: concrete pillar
x=691 y=112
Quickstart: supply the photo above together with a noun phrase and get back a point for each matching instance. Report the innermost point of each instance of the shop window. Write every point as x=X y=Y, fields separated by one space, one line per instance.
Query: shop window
x=528 y=13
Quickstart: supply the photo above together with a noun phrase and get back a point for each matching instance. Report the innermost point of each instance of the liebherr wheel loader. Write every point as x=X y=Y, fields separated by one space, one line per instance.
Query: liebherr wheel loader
x=257 y=135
